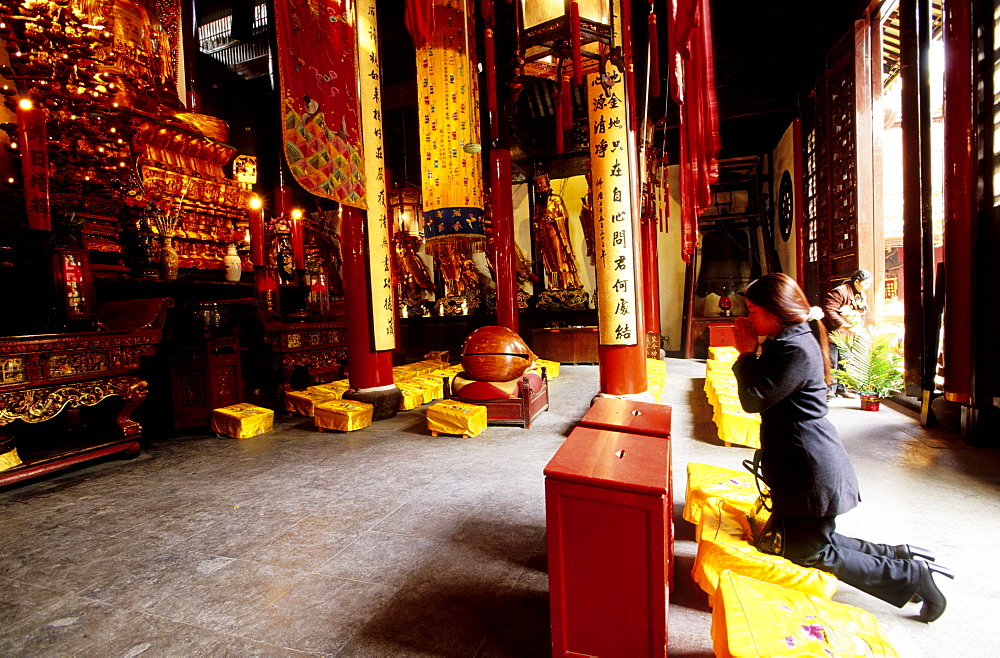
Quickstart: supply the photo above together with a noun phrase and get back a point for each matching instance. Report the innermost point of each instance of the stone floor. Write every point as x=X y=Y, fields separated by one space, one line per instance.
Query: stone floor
x=390 y=542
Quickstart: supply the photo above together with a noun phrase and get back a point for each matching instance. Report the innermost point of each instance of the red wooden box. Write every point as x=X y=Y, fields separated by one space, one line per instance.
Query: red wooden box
x=629 y=416
x=720 y=334
x=608 y=525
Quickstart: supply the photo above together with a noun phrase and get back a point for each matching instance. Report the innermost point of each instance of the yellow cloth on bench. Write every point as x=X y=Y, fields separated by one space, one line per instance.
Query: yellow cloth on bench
x=705 y=481
x=302 y=402
x=342 y=415
x=724 y=545
x=452 y=417
x=751 y=618
x=241 y=421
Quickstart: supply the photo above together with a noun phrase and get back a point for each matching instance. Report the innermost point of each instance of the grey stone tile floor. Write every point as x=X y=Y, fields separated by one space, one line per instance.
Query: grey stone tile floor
x=390 y=542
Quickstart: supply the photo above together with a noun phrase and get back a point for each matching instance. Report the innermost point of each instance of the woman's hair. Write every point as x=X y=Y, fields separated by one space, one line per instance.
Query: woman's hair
x=779 y=294
x=860 y=275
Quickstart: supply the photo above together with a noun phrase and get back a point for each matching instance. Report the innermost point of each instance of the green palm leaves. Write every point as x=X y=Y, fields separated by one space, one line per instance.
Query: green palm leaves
x=869 y=363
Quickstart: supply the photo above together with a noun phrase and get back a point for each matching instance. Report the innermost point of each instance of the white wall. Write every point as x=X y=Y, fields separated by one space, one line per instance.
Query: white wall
x=671 y=269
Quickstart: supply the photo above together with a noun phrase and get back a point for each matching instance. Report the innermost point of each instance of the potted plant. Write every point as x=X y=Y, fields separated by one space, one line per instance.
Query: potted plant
x=869 y=364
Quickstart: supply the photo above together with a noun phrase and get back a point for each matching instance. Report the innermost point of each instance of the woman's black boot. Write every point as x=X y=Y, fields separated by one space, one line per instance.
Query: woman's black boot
x=934 y=601
x=909 y=552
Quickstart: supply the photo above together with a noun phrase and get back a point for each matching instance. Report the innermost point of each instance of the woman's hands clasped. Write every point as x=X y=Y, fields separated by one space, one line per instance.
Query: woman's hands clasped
x=744 y=336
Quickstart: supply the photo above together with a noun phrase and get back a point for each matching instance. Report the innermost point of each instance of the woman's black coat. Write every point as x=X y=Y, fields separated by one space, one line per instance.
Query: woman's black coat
x=802 y=459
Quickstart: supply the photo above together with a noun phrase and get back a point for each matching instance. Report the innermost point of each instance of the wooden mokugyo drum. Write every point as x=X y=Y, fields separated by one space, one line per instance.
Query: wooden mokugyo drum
x=495 y=354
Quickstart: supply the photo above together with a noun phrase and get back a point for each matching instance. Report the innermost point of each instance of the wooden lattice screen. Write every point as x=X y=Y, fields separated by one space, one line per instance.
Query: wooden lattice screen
x=830 y=157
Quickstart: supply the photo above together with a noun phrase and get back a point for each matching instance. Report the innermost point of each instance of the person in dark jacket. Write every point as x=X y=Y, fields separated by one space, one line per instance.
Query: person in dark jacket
x=802 y=460
x=844 y=308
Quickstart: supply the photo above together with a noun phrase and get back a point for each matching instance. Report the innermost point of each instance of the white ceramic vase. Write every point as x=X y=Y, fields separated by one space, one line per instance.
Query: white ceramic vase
x=234 y=266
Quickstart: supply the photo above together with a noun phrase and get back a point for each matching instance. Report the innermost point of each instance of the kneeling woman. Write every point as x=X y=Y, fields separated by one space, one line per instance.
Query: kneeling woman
x=802 y=459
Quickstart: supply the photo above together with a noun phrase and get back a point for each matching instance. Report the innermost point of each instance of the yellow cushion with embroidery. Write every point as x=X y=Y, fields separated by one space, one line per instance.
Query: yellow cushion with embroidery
x=451 y=417
x=724 y=545
x=342 y=415
x=302 y=402
x=9 y=460
x=336 y=389
x=705 y=481
x=433 y=387
x=413 y=395
x=241 y=421
x=753 y=619
x=551 y=368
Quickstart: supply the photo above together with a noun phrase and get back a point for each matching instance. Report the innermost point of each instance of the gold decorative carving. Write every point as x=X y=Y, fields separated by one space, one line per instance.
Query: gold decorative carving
x=13 y=370
x=316 y=359
x=77 y=363
x=294 y=340
x=36 y=405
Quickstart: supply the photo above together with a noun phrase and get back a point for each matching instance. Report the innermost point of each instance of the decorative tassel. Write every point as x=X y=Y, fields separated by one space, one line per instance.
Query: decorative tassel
x=557 y=96
x=566 y=101
x=654 y=58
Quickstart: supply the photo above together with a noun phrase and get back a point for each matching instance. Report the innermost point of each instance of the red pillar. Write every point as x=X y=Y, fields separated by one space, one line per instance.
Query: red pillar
x=503 y=239
x=500 y=189
x=367 y=369
x=650 y=275
x=958 y=201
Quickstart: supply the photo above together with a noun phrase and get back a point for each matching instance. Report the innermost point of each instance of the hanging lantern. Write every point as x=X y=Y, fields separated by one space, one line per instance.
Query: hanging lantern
x=556 y=30
x=406 y=212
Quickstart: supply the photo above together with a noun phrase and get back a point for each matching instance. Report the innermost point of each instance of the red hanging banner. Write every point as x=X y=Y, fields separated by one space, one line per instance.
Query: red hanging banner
x=33 y=140
x=317 y=64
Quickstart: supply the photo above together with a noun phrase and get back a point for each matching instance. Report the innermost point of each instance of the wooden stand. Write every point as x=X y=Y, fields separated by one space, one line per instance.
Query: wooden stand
x=566 y=344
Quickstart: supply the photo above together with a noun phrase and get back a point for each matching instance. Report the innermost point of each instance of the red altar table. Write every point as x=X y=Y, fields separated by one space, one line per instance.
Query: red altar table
x=43 y=375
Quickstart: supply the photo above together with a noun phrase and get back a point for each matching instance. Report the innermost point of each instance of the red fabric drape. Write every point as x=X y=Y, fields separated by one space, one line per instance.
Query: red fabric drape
x=692 y=80
x=419 y=20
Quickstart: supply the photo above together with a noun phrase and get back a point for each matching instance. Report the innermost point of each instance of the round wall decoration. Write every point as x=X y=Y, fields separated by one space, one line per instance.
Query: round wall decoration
x=785 y=206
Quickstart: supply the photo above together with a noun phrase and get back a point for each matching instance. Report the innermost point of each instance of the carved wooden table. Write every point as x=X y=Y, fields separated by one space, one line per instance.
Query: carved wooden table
x=43 y=375
x=308 y=344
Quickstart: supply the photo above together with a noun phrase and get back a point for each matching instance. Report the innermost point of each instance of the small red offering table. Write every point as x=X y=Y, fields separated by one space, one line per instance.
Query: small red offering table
x=609 y=544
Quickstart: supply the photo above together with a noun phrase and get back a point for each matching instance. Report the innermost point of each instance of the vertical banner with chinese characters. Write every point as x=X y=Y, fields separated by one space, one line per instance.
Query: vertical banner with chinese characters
x=612 y=190
x=33 y=139
x=379 y=267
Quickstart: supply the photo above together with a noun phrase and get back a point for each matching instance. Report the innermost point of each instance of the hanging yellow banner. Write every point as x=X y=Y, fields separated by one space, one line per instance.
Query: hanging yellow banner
x=612 y=191
x=379 y=267
x=448 y=107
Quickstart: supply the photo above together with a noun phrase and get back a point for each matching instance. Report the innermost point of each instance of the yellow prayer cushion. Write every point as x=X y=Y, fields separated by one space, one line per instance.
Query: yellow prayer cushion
x=551 y=367
x=9 y=460
x=451 y=417
x=336 y=389
x=705 y=481
x=241 y=421
x=302 y=402
x=723 y=353
x=433 y=387
x=724 y=544
x=751 y=618
x=413 y=395
x=342 y=415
